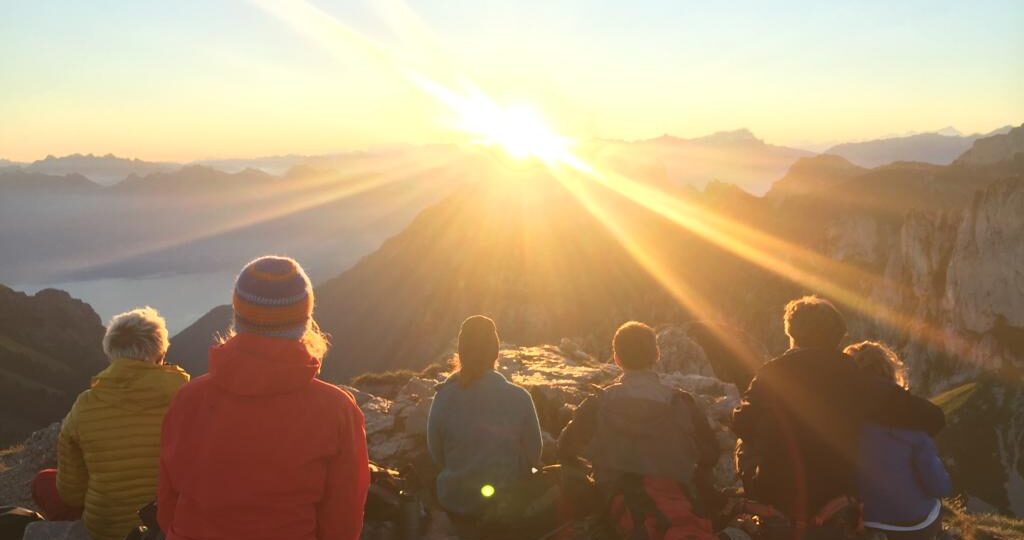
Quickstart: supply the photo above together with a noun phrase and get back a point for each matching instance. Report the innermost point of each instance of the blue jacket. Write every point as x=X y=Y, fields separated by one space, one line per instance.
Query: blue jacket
x=901 y=476
x=486 y=434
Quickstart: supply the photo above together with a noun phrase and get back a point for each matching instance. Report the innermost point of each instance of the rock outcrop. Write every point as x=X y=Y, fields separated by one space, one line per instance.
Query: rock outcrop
x=995 y=149
x=49 y=348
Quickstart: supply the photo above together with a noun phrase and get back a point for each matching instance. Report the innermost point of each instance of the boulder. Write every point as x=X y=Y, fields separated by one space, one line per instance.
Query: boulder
x=56 y=530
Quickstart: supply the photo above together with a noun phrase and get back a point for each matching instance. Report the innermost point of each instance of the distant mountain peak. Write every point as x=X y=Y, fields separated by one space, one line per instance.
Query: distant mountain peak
x=950 y=131
x=742 y=135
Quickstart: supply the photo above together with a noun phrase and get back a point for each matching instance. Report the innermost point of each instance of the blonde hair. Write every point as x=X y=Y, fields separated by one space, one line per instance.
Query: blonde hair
x=317 y=341
x=878 y=359
x=139 y=334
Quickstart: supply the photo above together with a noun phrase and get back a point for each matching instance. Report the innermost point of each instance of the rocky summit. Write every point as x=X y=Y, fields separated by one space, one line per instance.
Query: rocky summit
x=557 y=377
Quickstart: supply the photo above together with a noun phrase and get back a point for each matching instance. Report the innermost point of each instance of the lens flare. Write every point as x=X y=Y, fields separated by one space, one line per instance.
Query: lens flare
x=487 y=491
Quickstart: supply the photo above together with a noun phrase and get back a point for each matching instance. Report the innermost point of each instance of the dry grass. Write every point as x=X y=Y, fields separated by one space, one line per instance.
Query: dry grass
x=967 y=526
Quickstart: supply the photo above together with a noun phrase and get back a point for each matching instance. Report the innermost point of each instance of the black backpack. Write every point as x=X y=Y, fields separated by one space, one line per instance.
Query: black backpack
x=150 y=529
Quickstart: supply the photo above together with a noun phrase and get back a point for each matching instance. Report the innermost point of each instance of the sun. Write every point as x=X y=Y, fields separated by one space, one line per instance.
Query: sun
x=518 y=130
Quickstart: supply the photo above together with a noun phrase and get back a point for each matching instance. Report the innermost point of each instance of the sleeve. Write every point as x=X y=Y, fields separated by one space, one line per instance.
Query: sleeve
x=435 y=436
x=578 y=432
x=72 y=474
x=530 y=437
x=928 y=469
x=167 y=494
x=748 y=414
x=898 y=408
x=707 y=444
x=340 y=512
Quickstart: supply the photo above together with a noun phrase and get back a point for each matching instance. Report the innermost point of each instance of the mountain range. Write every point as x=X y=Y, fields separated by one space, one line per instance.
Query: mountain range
x=922 y=256
x=939 y=148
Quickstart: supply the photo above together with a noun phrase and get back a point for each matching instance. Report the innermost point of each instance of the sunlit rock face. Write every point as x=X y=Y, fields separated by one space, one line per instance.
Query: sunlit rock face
x=857 y=239
x=952 y=276
x=986 y=272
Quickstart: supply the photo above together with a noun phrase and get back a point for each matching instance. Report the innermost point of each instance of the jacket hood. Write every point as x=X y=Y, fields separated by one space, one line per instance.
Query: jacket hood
x=254 y=365
x=138 y=385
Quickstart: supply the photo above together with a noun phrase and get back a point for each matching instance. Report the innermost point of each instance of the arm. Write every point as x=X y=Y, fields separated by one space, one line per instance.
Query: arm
x=928 y=469
x=435 y=436
x=749 y=414
x=898 y=408
x=167 y=495
x=530 y=436
x=340 y=512
x=72 y=474
x=578 y=432
x=707 y=444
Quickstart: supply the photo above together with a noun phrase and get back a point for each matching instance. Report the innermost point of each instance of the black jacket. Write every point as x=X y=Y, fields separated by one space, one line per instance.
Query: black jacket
x=800 y=420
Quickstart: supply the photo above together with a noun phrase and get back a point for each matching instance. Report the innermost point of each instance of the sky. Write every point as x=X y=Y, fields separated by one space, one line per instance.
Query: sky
x=197 y=79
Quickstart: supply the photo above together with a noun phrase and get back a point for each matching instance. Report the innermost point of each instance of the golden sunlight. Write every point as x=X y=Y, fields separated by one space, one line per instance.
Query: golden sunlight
x=518 y=130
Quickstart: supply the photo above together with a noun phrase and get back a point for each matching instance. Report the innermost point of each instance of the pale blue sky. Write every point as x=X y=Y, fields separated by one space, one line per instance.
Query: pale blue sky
x=194 y=79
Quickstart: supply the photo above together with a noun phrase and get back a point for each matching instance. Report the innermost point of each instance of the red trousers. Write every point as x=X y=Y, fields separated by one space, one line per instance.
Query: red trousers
x=44 y=493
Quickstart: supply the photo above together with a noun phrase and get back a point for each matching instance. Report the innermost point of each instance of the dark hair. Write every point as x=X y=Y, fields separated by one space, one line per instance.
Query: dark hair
x=812 y=321
x=635 y=346
x=478 y=348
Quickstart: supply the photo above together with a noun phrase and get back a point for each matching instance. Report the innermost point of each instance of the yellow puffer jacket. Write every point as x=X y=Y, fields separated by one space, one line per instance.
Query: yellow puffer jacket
x=108 y=455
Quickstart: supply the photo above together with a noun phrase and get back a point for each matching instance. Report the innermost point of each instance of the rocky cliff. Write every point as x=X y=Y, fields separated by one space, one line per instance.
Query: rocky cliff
x=49 y=348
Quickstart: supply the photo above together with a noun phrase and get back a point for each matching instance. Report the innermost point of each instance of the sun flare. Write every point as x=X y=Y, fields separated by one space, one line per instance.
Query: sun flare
x=518 y=130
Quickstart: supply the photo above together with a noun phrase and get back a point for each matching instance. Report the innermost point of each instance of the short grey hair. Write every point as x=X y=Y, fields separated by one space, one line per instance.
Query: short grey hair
x=139 y=334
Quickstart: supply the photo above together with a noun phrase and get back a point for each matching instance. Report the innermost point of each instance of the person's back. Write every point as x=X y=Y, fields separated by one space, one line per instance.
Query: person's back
x=484 y=434
x=108 y=448
x=259 y=448
x=807 y=430
x=640 y=426
x=650 y=445
x=802 y=415
x=901 y=477
x=483 y=431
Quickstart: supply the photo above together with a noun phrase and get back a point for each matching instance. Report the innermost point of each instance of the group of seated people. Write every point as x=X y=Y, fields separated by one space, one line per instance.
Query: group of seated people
x=260 y=448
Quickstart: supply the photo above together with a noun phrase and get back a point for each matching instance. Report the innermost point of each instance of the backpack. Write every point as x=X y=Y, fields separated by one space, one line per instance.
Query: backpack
x=150 y=529
x=14 y=519
x=391 y=504
x=648 y=508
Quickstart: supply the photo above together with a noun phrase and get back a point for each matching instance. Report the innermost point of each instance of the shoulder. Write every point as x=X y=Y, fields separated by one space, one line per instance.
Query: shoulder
x=682 y=396
x=188 y=390
x=332 y=395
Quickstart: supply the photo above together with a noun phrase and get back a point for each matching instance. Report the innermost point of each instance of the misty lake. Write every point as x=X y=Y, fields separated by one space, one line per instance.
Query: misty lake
x=180 y=298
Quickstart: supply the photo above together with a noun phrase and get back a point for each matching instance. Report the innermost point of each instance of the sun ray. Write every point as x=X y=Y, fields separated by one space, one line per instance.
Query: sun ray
x=524 y=134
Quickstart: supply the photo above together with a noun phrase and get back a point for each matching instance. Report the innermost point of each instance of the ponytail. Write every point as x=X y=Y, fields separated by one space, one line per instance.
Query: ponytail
x=478 y=349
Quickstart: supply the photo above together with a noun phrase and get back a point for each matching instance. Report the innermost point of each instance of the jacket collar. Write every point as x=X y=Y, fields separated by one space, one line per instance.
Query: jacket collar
x=254 y=365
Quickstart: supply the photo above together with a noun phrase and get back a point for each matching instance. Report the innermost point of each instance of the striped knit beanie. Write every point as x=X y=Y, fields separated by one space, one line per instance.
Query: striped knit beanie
x=273 y=297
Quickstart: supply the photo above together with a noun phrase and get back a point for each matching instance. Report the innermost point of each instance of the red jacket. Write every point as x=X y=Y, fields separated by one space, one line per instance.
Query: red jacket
x=261 y=449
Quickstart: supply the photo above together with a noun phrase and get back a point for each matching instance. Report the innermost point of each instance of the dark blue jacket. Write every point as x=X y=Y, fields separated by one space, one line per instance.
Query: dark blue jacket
x=901 y=476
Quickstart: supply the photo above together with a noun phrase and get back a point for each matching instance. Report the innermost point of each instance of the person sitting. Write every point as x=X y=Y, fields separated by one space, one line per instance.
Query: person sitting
x=108 y=448
x=483 y=431
x=901 y=476
x=651 y=446
x=259 y=448
x=800 y=420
